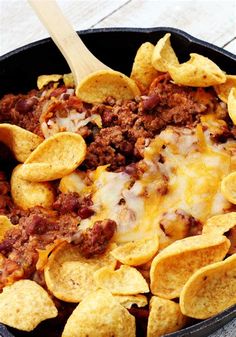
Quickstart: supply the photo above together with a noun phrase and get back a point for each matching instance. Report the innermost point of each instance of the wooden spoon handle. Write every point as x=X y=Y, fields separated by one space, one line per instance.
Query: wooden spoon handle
x=80 y=60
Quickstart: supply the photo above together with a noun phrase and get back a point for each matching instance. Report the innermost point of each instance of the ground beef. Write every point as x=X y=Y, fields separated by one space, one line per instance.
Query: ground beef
x=38 y=227
x=35 y=230
x=136 y=170
x=65 y=203
x=94 y=241
x=127 y=125
x=21 y=110
x=37 y=224
x=10 y=271
x=6 y=204
x=223 y=134
x=72 y=202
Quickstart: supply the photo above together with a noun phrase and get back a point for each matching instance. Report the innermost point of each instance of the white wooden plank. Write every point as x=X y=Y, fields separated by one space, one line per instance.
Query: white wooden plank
x=19 y=25
x=231 y=46
x=210 y=20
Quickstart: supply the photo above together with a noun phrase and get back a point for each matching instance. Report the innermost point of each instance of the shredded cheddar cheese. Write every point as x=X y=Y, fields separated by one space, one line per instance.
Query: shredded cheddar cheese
x=188 y=178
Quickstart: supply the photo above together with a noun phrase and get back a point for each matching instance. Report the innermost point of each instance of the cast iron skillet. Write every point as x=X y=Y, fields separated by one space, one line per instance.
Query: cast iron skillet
x=115 y=47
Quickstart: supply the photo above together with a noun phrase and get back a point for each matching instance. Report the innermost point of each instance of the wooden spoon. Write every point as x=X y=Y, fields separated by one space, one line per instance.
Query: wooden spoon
x=94 y=80
x=80 y=60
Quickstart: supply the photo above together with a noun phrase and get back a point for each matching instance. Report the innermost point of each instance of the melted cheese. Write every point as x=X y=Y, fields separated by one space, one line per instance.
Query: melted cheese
x=72 y=122
x=195 y=173
x=194 y=168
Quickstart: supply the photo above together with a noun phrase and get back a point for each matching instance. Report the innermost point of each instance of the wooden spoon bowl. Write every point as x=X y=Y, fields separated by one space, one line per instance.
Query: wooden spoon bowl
x=104 y=81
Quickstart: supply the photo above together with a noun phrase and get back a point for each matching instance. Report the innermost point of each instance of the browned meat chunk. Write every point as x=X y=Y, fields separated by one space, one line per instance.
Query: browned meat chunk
x=71 y=202
x=94 y=241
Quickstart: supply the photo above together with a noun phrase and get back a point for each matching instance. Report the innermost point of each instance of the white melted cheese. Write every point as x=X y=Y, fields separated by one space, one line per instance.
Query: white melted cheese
x=195 y=173
x=194 y=168
x=72 y=122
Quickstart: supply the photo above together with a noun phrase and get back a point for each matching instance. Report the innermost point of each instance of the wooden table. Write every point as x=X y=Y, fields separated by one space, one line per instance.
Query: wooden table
x=210 y=20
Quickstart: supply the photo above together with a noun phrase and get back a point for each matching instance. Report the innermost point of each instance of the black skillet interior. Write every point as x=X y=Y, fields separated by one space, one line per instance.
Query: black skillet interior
x=116 y=47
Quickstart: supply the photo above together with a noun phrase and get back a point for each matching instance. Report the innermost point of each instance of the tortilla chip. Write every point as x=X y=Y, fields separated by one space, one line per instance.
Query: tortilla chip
x=70 y=276
x=68 y=80
x=56 y=157
x=145 y=270
x=210 y=290
x=223 y=89
x=220 y=224
x=232 y=105
x=44 y=253
x=43 y=80
x=138 y=252
x=228 y=187
x=174 y=265
x=27 y=194
x=128 y=301
x=5 y=225
x=96 y=87
x=199 y=71
x=143 y=71
x=100 y=315
x=164 y=317
x=164 y=55
x=123 y=281
x=20 y=141
x=24 y=304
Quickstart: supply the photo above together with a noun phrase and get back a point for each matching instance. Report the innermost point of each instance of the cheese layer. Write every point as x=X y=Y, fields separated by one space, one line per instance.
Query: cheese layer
x=183 y=170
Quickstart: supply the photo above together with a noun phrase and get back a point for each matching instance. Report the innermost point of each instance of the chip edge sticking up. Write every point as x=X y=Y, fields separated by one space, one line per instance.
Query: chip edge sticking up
x=40 y=166
x=116 y=317
x=201 y=276
x=92 y=89
x=161 y=62
x=159 y=285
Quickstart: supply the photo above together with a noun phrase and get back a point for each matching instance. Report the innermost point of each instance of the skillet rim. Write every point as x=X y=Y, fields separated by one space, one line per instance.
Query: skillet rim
x=89 y=31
